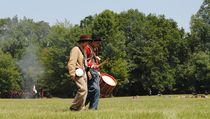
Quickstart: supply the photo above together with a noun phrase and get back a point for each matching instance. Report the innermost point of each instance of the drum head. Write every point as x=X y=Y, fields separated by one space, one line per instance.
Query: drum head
x=108 y=79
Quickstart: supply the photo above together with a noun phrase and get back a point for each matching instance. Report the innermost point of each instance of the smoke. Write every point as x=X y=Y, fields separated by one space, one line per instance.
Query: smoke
x=31 y=68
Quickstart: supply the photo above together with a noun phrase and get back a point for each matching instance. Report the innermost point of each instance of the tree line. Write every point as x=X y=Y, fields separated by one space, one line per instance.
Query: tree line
x=148 y=54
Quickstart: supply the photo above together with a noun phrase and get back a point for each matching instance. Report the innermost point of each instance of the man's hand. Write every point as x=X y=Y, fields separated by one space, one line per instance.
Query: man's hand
x=89 y=75
x=95 y=66
x=73 y=77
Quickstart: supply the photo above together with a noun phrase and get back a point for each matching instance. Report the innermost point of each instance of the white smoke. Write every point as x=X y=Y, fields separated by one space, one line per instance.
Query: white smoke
x=31 y=68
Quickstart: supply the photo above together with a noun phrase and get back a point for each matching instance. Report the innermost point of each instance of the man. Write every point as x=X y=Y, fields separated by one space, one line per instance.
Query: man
x=94 y=78
x=76 y=61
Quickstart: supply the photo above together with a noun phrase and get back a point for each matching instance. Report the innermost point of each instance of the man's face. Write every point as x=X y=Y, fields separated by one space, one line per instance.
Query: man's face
x=96 y=43
x=84 y=44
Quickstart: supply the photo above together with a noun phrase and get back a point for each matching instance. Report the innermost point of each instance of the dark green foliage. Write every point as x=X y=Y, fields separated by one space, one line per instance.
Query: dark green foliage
x=10 y=77
x=148 y=54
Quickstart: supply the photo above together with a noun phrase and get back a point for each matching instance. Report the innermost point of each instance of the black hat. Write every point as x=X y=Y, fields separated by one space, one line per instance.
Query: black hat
x=84 y=38
x=97 y=39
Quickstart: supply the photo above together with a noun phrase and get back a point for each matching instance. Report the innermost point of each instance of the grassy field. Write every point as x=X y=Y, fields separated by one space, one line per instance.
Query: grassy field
x=141 y=107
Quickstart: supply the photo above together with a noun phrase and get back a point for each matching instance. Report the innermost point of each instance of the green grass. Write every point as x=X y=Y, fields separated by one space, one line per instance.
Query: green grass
x=142 y=107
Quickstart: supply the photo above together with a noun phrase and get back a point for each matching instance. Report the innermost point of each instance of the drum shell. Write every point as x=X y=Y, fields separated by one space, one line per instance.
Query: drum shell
x=105 y=88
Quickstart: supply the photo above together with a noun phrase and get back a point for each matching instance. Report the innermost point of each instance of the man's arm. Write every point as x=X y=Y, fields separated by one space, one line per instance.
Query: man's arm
x=72 y=62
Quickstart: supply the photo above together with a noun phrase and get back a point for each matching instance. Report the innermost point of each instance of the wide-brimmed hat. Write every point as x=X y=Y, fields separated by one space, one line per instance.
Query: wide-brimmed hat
x=84 y=38
x=97 y=39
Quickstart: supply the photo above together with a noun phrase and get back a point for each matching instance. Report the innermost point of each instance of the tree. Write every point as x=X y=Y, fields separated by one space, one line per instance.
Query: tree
x=19 y=34
x=54 y=54
x=200 y=47
x=10 y=77
x=200 y=28
x=106 y=25
x=201 y=60
x=154 y=45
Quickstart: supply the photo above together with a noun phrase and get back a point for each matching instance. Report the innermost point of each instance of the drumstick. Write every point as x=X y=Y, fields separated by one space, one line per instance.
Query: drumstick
x=102 y=63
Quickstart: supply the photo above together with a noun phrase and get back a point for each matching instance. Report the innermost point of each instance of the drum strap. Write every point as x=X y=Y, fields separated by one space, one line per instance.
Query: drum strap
x=85 y=60
x=93 y=55
x=85 y=57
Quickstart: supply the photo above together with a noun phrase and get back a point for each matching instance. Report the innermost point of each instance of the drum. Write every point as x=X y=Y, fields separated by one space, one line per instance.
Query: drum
x=107 y=84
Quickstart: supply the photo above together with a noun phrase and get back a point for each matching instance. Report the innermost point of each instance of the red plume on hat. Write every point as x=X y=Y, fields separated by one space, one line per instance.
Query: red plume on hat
x=84 y=38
